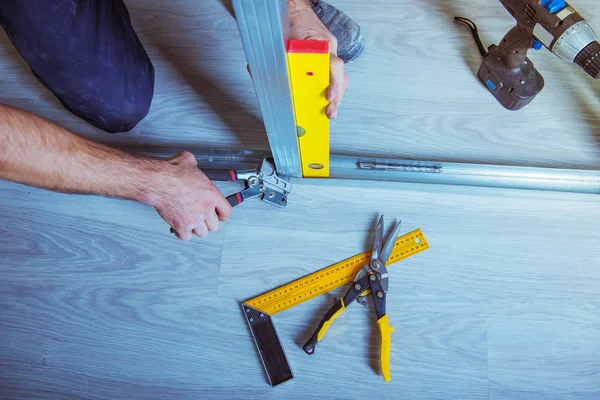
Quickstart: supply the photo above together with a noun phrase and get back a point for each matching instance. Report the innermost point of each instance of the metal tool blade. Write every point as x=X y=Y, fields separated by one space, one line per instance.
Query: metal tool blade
x=376 y=251
x=389 y=243
x=362 y=301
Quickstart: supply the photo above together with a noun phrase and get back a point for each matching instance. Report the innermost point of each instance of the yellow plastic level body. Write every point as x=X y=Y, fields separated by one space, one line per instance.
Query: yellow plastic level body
x=308 y=67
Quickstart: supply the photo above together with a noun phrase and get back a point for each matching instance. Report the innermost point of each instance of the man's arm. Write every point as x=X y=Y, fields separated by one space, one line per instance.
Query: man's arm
x=306 y=25
x=36 y=152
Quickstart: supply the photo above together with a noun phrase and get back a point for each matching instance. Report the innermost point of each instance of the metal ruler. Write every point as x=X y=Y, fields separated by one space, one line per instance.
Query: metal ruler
x=258 y=310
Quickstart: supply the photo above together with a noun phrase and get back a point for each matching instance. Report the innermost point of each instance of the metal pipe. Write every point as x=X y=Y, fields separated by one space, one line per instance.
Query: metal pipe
x=517 y=177
x=434 y=172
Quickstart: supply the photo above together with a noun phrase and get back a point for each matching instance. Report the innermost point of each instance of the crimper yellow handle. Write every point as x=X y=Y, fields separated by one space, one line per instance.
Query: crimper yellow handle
x=337 y=309
x=386 y=337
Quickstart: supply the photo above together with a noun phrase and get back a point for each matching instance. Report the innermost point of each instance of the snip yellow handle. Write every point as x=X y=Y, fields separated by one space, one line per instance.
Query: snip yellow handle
x=327 y=322
x=386 y=337
x=338 y=308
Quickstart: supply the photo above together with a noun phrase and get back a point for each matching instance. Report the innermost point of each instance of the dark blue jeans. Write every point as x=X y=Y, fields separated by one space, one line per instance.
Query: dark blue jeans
x=87 y=53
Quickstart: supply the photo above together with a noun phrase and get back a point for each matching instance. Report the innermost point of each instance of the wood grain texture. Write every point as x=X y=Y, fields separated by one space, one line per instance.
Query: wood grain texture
x=21 y=89
x=537 y=358
x=204 y=95
x=495 y=255
x=413 y=94
x=99 y=300
x=16 y=79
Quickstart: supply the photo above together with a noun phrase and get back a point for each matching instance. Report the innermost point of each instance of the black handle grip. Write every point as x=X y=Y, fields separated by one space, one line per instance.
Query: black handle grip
x=235 y=199
x=338 y=307
x=220 y=174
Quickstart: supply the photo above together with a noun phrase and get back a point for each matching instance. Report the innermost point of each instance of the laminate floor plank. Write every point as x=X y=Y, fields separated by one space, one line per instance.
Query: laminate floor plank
x=541 y=358
x=99 y=301
x=204 y=95
x=495 y=255
x=413 y=94
x=21 y=89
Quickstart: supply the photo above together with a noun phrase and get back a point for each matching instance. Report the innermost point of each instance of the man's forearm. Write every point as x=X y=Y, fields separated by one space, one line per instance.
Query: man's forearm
x=36 y=152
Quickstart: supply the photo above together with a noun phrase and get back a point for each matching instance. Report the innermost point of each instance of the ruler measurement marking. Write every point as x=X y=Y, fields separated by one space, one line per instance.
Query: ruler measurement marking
x=308 y=287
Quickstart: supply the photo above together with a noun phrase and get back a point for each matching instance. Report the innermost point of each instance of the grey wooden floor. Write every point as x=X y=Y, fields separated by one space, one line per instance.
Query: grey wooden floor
x=413 y=94
x=98 y=300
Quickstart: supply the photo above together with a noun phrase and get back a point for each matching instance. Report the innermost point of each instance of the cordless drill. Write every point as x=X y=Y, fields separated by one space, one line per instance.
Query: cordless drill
x=507 y=72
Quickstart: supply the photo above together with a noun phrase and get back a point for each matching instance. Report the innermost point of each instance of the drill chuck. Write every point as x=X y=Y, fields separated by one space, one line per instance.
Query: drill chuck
x=589 y=59
x=579 y=44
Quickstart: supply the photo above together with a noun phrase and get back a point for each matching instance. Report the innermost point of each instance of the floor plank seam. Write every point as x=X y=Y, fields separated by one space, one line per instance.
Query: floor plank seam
x=224 y=235
x=487 y=359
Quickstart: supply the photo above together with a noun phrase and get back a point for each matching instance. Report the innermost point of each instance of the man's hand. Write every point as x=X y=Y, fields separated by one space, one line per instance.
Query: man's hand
x=36 y=152
x=187 y=200
x=306 y=25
